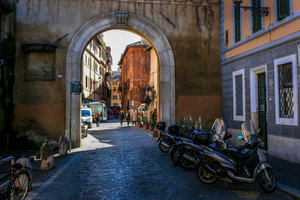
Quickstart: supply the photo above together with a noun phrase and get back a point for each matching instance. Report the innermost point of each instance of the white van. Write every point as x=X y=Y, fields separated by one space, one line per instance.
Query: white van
x=86 y=116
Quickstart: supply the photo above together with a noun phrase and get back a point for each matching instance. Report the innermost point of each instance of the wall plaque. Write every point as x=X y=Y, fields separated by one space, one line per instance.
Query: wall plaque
x=40 y=62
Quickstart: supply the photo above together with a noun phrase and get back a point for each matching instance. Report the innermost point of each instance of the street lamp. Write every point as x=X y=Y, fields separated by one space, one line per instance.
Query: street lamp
x=261 y=11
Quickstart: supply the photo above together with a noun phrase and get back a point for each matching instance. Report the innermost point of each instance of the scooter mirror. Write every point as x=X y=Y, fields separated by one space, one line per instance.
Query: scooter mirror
x=240 y=137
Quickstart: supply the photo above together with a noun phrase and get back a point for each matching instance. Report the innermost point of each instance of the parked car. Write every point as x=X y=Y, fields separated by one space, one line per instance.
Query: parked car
x=86 y=116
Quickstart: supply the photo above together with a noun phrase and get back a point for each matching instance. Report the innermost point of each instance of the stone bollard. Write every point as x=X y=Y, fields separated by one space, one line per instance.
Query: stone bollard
x=63 y=146
x=47 y=156
x=22 y=179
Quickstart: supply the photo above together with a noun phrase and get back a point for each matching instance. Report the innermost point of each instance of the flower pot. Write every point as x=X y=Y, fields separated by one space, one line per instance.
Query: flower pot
x=151 y=128
x=139 y=125
x=146 y=126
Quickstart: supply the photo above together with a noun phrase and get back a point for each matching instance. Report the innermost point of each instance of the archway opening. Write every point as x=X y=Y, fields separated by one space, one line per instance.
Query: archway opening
x=119 y=77
x=134 y=23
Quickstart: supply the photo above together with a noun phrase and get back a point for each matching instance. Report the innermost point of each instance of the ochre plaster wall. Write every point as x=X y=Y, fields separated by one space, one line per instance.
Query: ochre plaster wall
x=269 y=21
x=276 y=34
x=191 y=27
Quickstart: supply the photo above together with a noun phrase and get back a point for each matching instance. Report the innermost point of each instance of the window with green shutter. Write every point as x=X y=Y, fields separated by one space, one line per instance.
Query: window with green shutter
x=256 y=18
x=237 y=24
x=283 y=9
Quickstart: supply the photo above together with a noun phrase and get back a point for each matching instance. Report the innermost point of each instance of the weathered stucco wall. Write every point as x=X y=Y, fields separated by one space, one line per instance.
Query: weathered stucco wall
x=191 y=27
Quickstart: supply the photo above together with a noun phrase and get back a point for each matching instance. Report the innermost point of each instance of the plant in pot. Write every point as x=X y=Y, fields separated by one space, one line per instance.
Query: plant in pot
x=146 y=125
x=139 y=124
x=151 y=125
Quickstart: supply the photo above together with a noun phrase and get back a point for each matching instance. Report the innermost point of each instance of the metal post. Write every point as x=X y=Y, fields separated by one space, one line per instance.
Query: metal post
x=70 y=117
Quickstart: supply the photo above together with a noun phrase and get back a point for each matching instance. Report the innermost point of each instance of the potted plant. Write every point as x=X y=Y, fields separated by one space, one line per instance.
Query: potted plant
x=146 y=125
x=139 y=124
x=151 y=125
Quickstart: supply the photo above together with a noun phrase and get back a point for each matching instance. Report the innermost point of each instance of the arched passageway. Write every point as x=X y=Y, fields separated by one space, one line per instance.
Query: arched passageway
x=134 y=23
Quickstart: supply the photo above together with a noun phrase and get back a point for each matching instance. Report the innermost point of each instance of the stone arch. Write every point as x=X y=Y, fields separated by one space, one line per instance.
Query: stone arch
x=135 y=23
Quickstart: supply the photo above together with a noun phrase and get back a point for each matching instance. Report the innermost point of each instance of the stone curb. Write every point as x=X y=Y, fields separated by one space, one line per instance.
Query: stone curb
x=289 y=190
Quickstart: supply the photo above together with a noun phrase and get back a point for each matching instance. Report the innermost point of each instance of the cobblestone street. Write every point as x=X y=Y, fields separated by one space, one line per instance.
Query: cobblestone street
x=125 y=163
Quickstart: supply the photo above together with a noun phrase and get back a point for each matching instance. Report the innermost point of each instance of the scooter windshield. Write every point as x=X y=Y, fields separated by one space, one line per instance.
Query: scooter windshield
x=248 y=129
x=219 y=128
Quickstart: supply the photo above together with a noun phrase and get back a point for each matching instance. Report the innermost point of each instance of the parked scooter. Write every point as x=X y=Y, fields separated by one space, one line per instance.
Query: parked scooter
x=84 y=129
x=243 y=164
x=186 y=154
x=167 y=138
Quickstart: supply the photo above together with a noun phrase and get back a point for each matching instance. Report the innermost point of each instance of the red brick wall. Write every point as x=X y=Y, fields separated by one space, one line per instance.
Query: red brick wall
x=135 y=75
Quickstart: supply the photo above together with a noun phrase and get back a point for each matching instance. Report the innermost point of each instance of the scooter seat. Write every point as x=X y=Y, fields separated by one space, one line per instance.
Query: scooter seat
x=236 y=153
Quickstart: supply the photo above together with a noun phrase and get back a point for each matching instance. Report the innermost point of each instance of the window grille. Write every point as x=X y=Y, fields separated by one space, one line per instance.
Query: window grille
x=285 y=87
x=239 y=95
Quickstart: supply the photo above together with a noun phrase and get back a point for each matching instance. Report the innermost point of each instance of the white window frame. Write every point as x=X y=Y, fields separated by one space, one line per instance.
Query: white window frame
x=254 y=87
x=238 y=117
x=280 y=61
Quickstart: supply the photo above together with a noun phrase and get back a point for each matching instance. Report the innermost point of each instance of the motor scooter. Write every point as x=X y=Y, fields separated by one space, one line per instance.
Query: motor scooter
x=246 y=163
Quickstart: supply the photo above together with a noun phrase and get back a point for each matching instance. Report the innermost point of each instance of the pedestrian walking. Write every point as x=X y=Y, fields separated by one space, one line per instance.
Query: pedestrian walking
x=111 y=112
x=117 y=113
x=97 y=118
x=122 y=116
x=131 y=116
x=127 y=116
x=134 y=117
x=108 y=114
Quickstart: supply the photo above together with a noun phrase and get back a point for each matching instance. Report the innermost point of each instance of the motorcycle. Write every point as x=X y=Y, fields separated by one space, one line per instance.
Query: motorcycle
x=167 y=138
x=84 y=129
x=186 y=154
x=241 y=164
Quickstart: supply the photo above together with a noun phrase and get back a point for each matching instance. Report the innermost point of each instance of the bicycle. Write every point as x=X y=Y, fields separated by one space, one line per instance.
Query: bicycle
x=14 y=185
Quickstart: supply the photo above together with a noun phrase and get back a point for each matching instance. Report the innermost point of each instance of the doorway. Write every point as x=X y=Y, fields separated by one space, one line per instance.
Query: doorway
x=258 y=95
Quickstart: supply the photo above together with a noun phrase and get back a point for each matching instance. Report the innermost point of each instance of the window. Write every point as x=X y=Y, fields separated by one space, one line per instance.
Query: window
x=238 y=83
x=283 y=9
x=237 y=24
x=256 y=19
x=115 y=97
x=114 y=89
x=286 y=95
x=86 y=81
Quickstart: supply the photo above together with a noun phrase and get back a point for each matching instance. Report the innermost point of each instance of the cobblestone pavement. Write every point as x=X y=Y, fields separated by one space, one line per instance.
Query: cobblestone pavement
x=125 y=163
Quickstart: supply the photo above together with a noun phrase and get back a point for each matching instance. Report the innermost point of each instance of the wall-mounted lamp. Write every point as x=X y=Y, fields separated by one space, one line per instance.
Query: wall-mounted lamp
x=261 y=11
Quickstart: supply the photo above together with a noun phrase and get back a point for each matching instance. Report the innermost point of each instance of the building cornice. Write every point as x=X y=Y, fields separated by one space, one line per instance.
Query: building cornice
x=287 y=39
x=264 y=31
x=180 y=2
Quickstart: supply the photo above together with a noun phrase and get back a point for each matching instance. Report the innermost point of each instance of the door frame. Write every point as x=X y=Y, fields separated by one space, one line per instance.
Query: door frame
x=254 y=93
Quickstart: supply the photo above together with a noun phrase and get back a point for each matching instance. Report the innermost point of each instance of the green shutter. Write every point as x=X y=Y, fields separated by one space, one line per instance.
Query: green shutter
x=237 y=24
x=256 y=18
x=283 y=8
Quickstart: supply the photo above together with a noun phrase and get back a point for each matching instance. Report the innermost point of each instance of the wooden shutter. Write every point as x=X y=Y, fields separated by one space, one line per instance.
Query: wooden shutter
x=283 y=8
x=256 y=17
x=237 y=24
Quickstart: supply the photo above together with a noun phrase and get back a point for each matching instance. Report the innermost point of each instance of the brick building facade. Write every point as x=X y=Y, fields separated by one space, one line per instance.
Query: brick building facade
x=135 y=75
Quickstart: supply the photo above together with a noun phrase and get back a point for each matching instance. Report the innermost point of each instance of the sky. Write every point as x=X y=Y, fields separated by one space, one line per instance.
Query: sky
x=118 y=40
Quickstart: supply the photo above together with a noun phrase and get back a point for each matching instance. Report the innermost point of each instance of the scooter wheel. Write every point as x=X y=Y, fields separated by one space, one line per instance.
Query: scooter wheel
x=205 y=176
x=162 y=148
x=267 y=184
